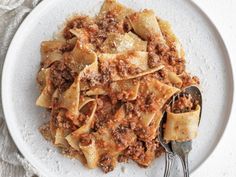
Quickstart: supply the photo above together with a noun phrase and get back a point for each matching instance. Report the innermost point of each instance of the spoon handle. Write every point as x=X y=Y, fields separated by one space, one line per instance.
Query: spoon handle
x=184 y=160
x=168 y=163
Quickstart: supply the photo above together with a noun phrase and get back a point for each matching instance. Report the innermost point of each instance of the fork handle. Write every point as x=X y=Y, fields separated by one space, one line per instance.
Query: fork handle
x=184 y=160
x=168 y=163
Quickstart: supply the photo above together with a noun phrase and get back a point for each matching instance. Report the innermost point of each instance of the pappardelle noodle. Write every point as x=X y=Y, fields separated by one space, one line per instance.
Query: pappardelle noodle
x=106 y=80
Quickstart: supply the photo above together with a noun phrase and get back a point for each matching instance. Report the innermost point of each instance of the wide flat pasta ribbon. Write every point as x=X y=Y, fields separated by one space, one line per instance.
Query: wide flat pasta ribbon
x=80 y=58
x=50 y=52
x=70 y=99
x=45 y=98
x=116 y=8
x=116 y=43
x=182 y=126
x=91 y=153
x=171 y=39
x=146 y=26
x=73 y=138
x=132 y=61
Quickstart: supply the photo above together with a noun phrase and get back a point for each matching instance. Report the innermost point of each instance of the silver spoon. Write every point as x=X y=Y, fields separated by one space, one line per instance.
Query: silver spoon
x=182 y=149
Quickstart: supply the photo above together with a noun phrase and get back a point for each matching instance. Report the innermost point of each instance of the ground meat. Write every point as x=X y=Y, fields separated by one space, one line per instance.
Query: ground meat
x=177 y=64
x=100 y=103
x=67 y=47
x=196 y=80
x=145 y=103
x=91 y=79
x=105 y=163
x=183 y=104
x=85 y=139
x=188 y=80
x=156 y=47
x=60 y=120
x=122 y=68
x=104 y=112
x=106 y=70
x=166 y=55
x=122 y=158
x=150 y=102
x=61 y=76
x=72 y=153
x=98 y=38
x=101 y=121
x=141 y=131
x=162 y=75
x=119 y=96
x=109 y=23
x=80 y=120
x=129 y=107
x=133 y=108
x=123 y=95
x=153 y=60
x=161 y=48
x=134 y=70
x=127 y=26
x=136 y=152
x=78 y=22
x=120 y=135
x=144 y=133
x=151 y=145
x=143 y=152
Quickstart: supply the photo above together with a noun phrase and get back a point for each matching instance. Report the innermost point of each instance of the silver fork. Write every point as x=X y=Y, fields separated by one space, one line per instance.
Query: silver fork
x=182 y=150
x=169 y=154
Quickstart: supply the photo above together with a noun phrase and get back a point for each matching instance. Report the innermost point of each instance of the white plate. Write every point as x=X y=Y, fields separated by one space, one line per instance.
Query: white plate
x=206 y=54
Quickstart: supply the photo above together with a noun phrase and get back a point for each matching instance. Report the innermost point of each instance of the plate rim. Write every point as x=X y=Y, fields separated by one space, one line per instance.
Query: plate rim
x=36 y=11
x=232 y=73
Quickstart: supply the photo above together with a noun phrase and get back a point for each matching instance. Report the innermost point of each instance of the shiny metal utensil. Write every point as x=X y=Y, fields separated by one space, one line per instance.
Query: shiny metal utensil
x=169 y=155
x=182 y=149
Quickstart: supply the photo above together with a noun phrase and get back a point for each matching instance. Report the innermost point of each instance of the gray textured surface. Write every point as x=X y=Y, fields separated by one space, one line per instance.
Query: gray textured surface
x=12 y=12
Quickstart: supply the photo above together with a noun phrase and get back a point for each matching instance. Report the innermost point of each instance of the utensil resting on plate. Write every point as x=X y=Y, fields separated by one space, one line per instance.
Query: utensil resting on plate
x=173 y=148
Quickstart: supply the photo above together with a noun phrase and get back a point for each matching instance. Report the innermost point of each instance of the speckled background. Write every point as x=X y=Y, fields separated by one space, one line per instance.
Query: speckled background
x=222 y=163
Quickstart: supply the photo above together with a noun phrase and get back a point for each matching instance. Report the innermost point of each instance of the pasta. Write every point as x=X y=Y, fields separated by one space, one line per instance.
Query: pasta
x=45 y=98
x=182 y=120
x=137 y=63
x=145 y=25
x=90 y=153
x=182 y=127
x=106 y=82
x=116 y=43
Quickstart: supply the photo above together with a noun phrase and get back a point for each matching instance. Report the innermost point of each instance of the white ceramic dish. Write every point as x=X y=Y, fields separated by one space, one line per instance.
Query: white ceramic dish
x=206 y=54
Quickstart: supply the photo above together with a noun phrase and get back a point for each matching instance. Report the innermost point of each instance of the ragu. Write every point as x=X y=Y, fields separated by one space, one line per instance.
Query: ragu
x=106 y=81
